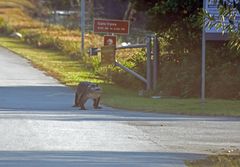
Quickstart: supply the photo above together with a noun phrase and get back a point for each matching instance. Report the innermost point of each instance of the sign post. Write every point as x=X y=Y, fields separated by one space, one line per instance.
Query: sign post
x=213 y=33
x=110 y=26
x=108 y=54
x=203 y=68
x=82 y=25
x=149 y=63
x=155 y=61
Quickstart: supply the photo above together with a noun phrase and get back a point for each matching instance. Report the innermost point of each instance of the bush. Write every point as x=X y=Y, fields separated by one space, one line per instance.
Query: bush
x=5 y=28
x=223 y=72
x=180 y=74
x=134 y=61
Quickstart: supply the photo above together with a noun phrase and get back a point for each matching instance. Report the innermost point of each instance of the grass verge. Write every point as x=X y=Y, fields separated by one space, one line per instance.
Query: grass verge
x=227 y=160
x=121 y=98
x=68 y=71
x=71 y=72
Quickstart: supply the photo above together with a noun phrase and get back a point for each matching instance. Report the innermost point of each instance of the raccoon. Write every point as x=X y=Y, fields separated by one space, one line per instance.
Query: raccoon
x=85 y=91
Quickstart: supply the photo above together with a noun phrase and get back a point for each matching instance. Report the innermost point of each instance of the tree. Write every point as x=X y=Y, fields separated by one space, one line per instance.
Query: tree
x=174 y=20
x=228 y=10
x=167 y=11
x=61 y=4
x=179 y=25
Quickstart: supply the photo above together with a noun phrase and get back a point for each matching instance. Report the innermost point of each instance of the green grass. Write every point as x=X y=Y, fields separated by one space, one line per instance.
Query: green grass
x=216 y=161
x=71 y=72
x=56 y=64
x=121 y=98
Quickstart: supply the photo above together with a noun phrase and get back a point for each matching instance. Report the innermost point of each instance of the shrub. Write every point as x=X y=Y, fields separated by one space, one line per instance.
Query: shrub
x=5 y=28
x=223 y=72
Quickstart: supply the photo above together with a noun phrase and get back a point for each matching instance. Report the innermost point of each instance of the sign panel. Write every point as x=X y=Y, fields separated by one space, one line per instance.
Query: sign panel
x=108 y=55
x=110 y=40
x=93 y=51
x=213 y=33
x=111 y=26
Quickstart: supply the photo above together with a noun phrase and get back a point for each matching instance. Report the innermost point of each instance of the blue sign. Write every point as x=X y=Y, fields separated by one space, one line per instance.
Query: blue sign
x=211 y=7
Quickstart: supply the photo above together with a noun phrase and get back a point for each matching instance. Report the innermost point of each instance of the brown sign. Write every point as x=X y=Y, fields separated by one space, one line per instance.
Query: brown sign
x=110 y=40
x=111 y=26
x=108 y=55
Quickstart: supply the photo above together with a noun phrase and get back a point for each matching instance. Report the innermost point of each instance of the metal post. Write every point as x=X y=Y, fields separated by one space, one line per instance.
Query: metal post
x=131 y=72
x=155 y=62
x=203 y=70
x=149 y=77
x=55 y=16
x=203 y=82
x=82 y=25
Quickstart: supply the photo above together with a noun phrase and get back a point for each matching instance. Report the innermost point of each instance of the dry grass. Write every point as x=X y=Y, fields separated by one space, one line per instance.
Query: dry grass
x=14 y=12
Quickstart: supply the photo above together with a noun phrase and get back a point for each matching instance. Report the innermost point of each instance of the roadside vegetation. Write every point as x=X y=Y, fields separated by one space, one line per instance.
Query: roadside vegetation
x=56 y=50
x=229 y=160
x=71 y=72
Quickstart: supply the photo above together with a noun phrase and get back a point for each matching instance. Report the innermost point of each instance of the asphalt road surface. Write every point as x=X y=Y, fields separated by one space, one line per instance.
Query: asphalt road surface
x=39 y=127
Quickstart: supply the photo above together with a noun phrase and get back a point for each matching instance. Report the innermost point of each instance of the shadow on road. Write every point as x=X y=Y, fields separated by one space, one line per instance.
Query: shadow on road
x=55 y=103
x=93 y=159
x=29 y=98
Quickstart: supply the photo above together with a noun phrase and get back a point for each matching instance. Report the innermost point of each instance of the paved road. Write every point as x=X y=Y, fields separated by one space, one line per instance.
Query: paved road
x=38 y=127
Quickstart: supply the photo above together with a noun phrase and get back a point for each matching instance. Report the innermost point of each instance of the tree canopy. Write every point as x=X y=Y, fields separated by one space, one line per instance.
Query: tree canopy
x=164 y=13
x=61 y=4
x=227 y=20
x=188 y=15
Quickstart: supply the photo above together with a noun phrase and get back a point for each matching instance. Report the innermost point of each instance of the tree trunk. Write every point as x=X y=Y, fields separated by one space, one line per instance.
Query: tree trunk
x=128 y=11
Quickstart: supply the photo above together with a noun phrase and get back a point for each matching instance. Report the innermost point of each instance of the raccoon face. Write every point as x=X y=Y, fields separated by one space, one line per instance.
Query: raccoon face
x=94 y=88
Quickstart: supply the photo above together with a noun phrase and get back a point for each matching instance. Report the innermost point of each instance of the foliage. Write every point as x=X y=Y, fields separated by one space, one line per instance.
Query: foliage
x=226 y=21
x=135 y=62
x=223 y=72
x=167 y=12
x=46 y=36
x=228 y=11
x=16 y=3
x=5 y=28
x=180 y=51
x=180 y=71
x=70 y=72
x=55 y=63
x=60 y=4
x=216 y=161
